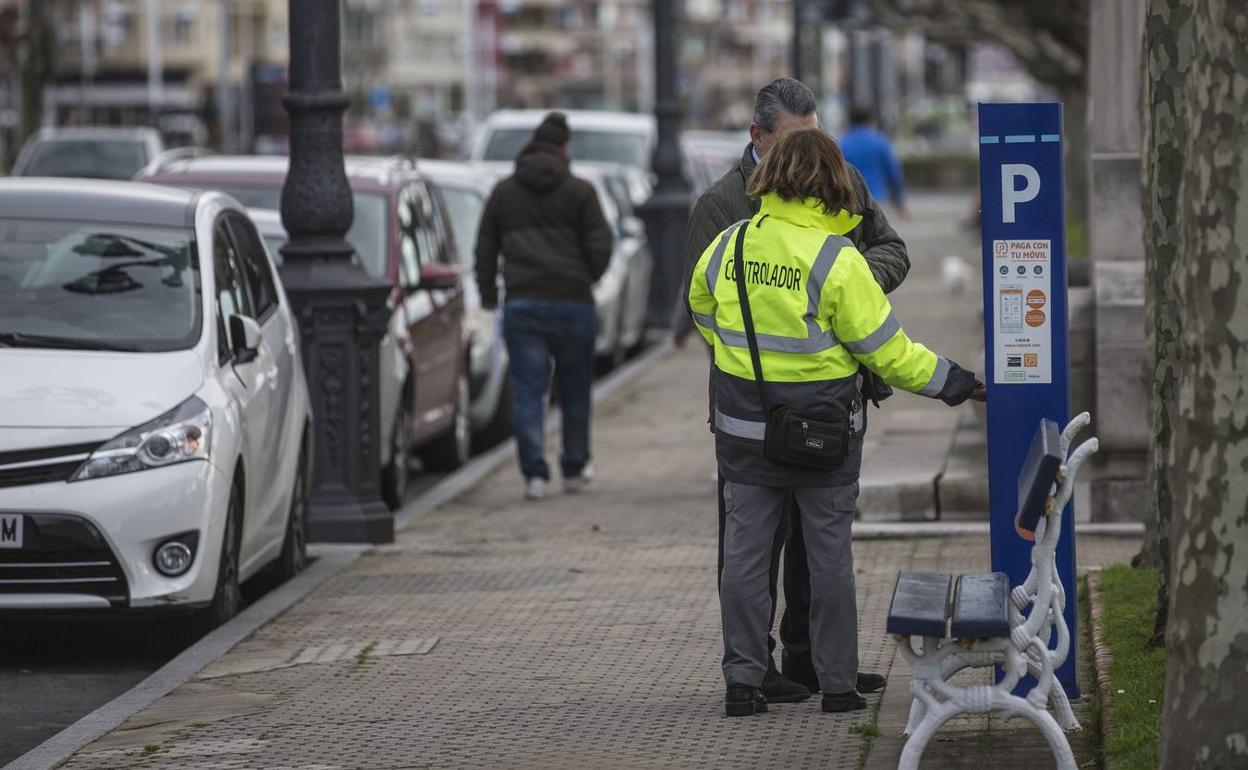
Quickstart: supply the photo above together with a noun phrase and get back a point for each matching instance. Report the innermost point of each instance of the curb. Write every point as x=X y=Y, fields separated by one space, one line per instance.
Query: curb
x=60 y=747
x=476 y=469
x=1102 y=658
x=908 y=529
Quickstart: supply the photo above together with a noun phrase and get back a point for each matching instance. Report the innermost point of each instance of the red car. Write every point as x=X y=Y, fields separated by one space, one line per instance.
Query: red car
x=401 y=233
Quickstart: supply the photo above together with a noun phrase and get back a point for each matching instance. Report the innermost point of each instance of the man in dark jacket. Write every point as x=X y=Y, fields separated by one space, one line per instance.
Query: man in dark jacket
x=557 y=243
x=781 y=106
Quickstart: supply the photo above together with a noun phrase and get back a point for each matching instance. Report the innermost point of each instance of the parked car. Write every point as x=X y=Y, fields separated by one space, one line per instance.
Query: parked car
x=157 y=427
x=402 y=234
x=622 y=294
x=465 y=189
x=623 y=138
x=86 y=151
x=711 y=154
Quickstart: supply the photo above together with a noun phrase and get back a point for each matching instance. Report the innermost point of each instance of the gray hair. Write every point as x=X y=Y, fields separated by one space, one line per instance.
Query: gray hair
x=780 y=96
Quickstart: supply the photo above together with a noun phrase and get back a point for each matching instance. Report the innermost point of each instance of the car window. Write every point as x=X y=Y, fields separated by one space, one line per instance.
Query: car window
x=411 y=244
x=464 y=205
x=369 y=232
x=87 y=158
x=625 y=148
x=232 y=294
x=111 y=285
x=444 y=251
x=255 y=264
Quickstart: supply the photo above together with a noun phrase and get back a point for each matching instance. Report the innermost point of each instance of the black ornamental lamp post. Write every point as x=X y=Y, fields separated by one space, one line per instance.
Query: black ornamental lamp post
x=667 y=211
x=341 y=310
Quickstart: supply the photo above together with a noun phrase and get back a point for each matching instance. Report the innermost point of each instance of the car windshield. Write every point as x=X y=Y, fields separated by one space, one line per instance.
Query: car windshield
x=464 y=206
x=87 y=158
x=621 y=147
x=368 y=227
x=98 y=285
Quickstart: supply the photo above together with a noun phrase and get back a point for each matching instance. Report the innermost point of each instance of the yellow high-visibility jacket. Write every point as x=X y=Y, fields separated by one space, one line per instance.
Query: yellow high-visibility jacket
x=817 y=313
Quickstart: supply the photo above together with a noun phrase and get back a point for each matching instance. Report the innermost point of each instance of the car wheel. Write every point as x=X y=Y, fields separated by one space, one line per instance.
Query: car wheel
x=227 y=599
x=451 y=449
x=395 y=475
x=295 y=546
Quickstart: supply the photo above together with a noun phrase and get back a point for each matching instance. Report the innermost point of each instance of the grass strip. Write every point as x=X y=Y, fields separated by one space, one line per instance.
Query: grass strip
x=1137 y=670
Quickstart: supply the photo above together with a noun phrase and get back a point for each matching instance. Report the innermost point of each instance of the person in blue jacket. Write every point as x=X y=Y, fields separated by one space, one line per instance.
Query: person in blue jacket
x=868 y=150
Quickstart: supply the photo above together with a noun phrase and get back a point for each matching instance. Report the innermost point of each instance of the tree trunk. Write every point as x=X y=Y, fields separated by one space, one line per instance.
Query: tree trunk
x=1203 y=721
x=1168 y=48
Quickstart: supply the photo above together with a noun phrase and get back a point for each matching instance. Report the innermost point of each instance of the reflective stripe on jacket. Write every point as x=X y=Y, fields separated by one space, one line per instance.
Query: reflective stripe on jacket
x=818 y=312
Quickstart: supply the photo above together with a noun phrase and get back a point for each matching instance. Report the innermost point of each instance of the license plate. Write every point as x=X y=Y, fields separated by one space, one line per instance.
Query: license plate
x=10 y=531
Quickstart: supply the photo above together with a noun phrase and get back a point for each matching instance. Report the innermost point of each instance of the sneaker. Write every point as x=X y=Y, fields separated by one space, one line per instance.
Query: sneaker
x=779 y=689
x=744 y=701
x=574 y=484
x=843 y=701
x=535 y=488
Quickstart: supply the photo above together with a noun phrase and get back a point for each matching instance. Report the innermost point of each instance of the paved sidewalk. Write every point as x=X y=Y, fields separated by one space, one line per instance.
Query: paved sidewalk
x=579 y=632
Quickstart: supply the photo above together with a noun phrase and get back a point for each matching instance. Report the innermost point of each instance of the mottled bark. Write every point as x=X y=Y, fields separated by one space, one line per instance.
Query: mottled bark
x=1168 y=50
x=1203 y=722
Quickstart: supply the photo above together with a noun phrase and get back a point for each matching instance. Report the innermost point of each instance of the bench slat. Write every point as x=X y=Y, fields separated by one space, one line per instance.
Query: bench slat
x=920 y=604
x=981 y=606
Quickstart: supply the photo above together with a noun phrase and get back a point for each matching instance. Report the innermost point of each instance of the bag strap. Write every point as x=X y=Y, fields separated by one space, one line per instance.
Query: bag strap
x=751 y=338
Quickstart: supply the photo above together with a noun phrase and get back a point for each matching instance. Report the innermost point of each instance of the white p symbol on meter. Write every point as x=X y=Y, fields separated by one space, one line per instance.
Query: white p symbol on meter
x=1011 y=195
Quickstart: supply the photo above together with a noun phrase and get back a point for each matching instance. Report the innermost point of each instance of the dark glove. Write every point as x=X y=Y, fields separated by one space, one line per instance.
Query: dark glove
x=959 y=386
x=874 y=388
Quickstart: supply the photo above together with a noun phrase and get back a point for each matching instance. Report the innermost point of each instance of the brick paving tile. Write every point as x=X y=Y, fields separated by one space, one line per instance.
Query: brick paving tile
x=579 y=632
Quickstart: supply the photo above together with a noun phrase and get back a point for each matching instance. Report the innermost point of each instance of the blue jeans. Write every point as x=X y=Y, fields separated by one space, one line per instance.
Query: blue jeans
x=538 y=331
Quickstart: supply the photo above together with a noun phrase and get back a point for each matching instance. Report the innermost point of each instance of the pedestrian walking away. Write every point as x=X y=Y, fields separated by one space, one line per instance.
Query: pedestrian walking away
x=781 y=106
x=868 y=149
x=792 y=310
x=557 y=243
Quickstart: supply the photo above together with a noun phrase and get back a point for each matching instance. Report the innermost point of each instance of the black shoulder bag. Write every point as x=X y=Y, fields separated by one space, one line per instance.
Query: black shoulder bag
x=791 y=438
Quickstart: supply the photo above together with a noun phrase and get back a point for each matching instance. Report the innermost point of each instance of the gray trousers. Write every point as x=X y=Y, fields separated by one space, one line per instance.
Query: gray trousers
x=752 y=515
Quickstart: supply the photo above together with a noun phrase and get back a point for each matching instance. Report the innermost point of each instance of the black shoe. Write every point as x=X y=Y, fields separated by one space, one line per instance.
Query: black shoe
x=778 y=689
x=843 y=701
x=799 y=668
x=871 y=683
x=744 y=701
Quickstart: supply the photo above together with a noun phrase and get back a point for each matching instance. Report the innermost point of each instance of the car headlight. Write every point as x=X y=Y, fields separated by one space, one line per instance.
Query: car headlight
x=181 y=434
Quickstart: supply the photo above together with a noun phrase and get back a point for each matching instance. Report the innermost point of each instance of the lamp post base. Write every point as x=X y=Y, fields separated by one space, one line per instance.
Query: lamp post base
x=349 y=520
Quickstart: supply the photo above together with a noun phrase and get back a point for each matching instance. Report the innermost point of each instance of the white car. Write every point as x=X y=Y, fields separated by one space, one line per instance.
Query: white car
x=97 y=152
x=155 y=427
x=623 y=138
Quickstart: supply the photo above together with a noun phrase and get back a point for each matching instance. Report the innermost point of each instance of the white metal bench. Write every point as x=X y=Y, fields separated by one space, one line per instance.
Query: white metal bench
x=975 y=621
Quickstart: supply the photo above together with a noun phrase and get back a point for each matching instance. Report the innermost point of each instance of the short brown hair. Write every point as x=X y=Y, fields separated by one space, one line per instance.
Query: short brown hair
x=807 y=163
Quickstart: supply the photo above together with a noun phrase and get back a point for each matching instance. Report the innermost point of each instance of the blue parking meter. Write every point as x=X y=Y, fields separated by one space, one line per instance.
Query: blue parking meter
x=1027 y=362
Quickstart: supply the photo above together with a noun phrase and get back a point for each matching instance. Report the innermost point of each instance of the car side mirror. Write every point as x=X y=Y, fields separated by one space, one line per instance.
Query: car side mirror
x=245 y=337
x=436 y=276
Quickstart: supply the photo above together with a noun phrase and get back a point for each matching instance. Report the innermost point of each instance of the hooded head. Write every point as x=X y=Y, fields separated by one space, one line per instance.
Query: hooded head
x=543 y=163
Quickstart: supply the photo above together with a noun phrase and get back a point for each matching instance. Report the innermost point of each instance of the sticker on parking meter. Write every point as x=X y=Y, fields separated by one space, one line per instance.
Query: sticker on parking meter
x=1023 y=335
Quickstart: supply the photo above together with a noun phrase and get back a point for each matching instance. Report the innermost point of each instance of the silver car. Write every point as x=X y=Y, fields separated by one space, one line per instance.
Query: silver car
x=87 y=151
x=464 y=189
